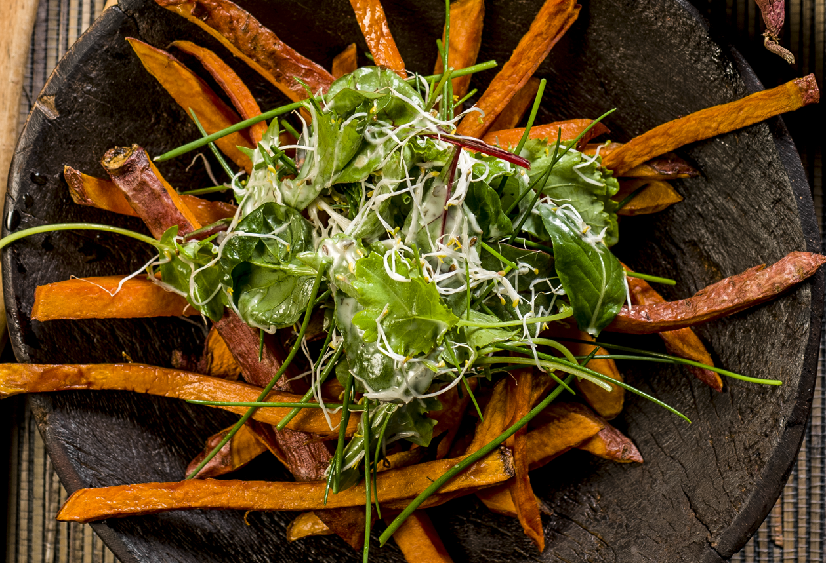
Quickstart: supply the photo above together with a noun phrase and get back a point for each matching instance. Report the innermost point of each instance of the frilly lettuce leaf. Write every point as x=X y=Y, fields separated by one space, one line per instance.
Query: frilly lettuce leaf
x=411 y=313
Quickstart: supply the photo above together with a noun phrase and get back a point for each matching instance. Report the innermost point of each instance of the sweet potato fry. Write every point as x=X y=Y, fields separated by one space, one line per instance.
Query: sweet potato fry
x=498 y=500
x=682 y=342
x=376 y=31
x=239 y=451
x=752 y=287
x=159 y=206
x=99 y=298
x=653 y=196
x=509 y=138
x=466 y=20
x=307 y=524
x=608 y=404
x=104 y=194
x=189 y=91
x=449 y=418
x=418 y=540
x=551 y=23
x=149 y=195
x=163 y=382
x=495 y=418
x=220 y=362
x=566 y=426
x=255 y=44
x=516 y=108
x=233 y=87
x=345 y=62
x=89 y=505
x=713 y=121
x=527 y=509
x=610 y=443
x=666 y=166
x=347 y=523
x=215 y=360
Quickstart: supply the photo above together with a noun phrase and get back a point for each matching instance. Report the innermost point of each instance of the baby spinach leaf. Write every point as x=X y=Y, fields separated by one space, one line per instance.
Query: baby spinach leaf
x=272 y=233
x=591 y=275
x=483 y=201
x=271 y=298
x=411 y=313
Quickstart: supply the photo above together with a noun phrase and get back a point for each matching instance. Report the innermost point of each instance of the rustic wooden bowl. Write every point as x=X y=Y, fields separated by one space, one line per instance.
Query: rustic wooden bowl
x=704 y=487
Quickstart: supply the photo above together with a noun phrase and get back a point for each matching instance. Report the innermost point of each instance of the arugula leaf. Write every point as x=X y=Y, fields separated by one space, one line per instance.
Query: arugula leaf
x=411 y=313
x=591 y=275
x=335 y=142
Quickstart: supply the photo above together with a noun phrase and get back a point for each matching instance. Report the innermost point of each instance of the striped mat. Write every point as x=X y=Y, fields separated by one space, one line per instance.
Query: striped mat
x=793 y=532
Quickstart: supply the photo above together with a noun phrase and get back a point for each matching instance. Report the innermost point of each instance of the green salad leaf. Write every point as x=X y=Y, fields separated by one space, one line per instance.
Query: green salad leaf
x=409 y=313
x=591 y=275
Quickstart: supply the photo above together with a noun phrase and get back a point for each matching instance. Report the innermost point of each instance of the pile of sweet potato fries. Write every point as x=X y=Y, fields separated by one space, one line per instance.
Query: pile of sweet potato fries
x=644 y=166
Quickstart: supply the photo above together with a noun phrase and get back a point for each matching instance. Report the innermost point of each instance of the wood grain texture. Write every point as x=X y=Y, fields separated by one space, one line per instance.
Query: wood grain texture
x=18 y=19
x=749 y=433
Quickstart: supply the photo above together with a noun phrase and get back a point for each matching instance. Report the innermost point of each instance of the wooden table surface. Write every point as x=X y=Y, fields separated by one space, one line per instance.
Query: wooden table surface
x=794 y=531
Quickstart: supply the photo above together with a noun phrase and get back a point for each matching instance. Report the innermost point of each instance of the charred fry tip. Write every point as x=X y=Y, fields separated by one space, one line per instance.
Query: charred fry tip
x=808 y=89
x=115 y=158
x=74 y=179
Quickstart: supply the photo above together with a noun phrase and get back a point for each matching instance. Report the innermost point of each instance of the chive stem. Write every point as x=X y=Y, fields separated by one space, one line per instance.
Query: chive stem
x=650 y=278
x=212 y=146
x=335 y=467
x=290 y=129
x=531 y=244
x=505 y=261
x=473 y=399
x=465 y=98
x=602 y=380
x=78 y=227
x=368 y=502
x=324 y=375
x=567 y=312
x=209 y=190
x=679 y=360
x=532 y=116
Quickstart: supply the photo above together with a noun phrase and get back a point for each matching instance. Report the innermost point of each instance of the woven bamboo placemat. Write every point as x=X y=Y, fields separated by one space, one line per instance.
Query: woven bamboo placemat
x=795 y=530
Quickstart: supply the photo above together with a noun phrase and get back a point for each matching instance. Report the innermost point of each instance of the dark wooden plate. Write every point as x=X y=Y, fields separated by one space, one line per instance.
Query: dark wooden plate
x=704 y=487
